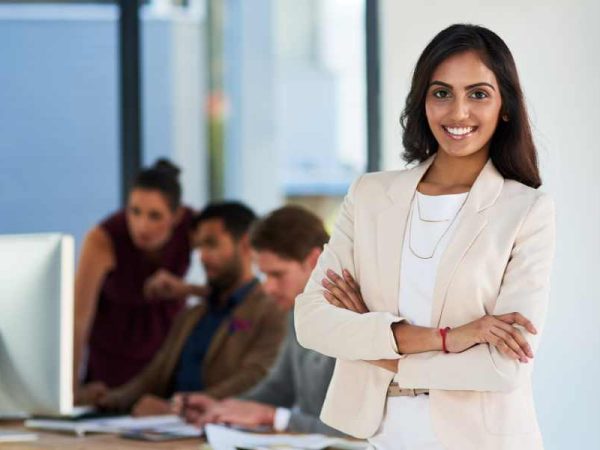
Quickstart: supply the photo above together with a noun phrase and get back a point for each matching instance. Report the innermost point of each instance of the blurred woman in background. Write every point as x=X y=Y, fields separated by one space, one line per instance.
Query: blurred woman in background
x=117 y=318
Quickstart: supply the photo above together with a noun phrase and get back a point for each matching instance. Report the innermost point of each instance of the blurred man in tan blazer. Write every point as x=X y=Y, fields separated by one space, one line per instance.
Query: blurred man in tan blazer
x=224 y=345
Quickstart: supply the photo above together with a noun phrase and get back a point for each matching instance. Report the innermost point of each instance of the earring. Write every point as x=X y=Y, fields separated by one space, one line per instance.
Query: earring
x=505 y=117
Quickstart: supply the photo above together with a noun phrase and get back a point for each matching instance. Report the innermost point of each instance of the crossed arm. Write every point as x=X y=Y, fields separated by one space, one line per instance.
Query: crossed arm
x=487 y=354
x=499 y=331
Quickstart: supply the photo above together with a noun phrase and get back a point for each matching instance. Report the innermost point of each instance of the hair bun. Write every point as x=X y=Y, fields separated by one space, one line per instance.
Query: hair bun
x=166 y=166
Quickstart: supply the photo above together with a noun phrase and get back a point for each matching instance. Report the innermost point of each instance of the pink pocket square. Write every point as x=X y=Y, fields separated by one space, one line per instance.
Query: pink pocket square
x=239 y=325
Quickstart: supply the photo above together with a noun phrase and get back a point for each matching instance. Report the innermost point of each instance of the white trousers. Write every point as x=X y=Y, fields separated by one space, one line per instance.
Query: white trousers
x=406 y=425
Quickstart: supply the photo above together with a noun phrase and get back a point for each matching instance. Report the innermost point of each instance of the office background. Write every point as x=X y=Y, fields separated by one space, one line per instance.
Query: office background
x=266 y=101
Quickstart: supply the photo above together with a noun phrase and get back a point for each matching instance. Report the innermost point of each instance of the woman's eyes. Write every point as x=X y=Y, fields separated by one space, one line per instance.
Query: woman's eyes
x=479 y=95
x=156 y=216
x=443 y=94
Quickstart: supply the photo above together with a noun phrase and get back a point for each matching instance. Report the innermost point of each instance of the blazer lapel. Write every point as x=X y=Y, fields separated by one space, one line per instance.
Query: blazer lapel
x=464 y=235
x=242 y=312
x=391 y=224
x=483 y=194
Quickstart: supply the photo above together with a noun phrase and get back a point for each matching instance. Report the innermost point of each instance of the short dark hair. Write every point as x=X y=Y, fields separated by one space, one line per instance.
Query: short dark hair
x=162 y=176
x=237 y=217
x=511 y=148
x=290 y=232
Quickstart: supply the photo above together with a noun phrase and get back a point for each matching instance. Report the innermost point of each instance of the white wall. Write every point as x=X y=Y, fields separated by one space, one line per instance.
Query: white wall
x=556 y=45
x=250 y=156
x=174 y=96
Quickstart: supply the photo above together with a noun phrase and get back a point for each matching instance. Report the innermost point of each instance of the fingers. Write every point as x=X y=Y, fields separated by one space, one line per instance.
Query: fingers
x=153 y=285
x=518 y=319
x=138 y=409
x=233 y=418
x=502 y=346
x=334 y=301
x=192 y=416
x=337 y=296
x=350 y=280
x=345 y=290
x=340 y=288
x=104 y=401
x=506 y=344
x=507 y=338
x=191 y=406
x=210 y=416
x=177 y=405
x=518 y=337
x=355 y=288
x=101 y=390
x=163 y=285
x=199 y=400
x=344 y=285
x=91 y=393
x=199 y=420
x=152 y=288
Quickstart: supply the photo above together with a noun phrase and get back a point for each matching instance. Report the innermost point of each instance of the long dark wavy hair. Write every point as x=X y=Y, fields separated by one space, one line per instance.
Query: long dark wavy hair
x=511 y=147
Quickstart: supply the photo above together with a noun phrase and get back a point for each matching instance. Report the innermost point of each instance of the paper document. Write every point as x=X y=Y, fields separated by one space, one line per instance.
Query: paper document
x=223 y=438
x=16 y=436
x=160 y=424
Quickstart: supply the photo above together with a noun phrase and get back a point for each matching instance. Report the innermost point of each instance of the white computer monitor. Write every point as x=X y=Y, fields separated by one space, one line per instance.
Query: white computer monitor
x=36 y=324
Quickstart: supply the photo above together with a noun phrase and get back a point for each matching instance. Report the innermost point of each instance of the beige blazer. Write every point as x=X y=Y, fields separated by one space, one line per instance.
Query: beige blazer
x=236 y=360
x=497 y=261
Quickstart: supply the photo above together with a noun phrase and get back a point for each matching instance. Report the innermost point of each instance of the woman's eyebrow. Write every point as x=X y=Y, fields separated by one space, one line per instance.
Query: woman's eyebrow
x=471 y=86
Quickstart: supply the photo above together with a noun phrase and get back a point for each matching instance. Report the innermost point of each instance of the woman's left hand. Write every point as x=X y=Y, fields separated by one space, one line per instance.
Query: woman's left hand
x=344 y=292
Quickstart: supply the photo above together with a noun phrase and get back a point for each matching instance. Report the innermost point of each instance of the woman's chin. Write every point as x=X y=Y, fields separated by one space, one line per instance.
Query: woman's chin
x=146 y=246
x=455 y=151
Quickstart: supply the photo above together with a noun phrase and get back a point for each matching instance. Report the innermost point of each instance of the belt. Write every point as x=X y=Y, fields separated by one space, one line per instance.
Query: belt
x=396 y=391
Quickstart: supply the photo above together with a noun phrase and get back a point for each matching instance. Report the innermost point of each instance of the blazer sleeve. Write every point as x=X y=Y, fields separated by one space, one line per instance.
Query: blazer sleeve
x=333 y=331
x=525 y=289
x=155 y=377
x=257 y=360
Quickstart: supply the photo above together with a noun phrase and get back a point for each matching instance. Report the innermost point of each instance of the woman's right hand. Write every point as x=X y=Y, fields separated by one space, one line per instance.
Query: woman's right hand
x=499 y=331
x=165 y=285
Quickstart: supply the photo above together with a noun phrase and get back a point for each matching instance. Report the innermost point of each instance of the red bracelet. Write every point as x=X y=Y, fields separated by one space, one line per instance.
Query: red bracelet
x=443 y=333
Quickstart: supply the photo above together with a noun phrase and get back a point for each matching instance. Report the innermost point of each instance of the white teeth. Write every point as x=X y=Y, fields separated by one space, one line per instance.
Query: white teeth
x=459 y=131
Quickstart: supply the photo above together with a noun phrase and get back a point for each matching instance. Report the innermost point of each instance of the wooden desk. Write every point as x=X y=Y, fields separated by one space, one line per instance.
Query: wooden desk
x=55 y=440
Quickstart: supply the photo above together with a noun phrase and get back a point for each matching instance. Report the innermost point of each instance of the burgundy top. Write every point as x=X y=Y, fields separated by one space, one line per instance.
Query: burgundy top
x=128 y=328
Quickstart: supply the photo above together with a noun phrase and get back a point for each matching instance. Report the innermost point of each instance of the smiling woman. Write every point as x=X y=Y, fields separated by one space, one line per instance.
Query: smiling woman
x=463 y=117
x=465 y=88
x=432 y=291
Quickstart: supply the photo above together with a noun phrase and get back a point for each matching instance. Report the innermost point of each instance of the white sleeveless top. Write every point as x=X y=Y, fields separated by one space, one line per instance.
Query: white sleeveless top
x=407 y=424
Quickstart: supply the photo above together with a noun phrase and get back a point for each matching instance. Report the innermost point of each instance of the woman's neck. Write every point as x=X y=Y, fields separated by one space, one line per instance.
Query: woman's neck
x=452 y=175
x=153 y=255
